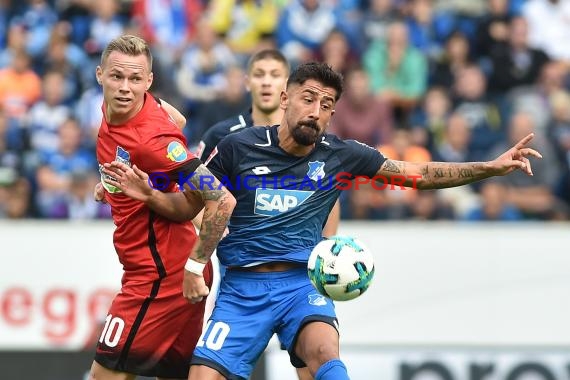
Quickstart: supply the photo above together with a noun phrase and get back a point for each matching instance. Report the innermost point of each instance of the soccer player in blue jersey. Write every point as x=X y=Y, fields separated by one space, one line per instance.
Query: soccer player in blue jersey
x=274 y=173
x=267 y=73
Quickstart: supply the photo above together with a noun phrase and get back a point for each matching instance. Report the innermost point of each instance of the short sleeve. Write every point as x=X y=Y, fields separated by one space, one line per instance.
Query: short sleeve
x=360 y=159
x=219 y=161
x=164 y=153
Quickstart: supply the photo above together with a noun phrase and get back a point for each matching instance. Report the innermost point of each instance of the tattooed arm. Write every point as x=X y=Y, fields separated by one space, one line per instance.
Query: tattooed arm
x=203 y=191
x=218 y=205
x=438 y=175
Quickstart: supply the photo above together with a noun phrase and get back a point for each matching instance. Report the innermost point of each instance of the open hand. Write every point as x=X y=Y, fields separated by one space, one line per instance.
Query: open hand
x=515 y=158
x=133 y=182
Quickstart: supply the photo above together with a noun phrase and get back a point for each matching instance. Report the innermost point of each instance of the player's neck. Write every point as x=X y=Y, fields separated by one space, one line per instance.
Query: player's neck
x=289 y=145
x=261 y=118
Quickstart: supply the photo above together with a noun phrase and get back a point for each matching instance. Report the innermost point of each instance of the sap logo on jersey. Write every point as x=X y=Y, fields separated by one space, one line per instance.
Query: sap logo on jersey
x=271 y=202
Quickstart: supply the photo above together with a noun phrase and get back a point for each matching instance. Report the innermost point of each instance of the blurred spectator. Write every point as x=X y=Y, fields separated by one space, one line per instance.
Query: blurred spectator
x=467 y=14
x=4 y=14
x=559 y=126
x=20 y=87
x=532 y=195
x=429 y=206
x=454 y=147
x=79 y=202
x=493 y=28
x=535 y=99
x=336 y=51
x=15 y=199
x=348 y=14
x=559 y=136
x=46 y=116
x=431 y=117
x=397 y=71
x=15 y=41
x=168 y=26
x=88 y=114
x=493 y=206
x=201 y=76
x=376 y=19
x=359 y=115
x=516 y=64
x=77 y=14
x=428 y=28
x=11 y=165
x=106 y=25
x=38 y=20
x=548 y=27
x=243 y=23
x=70 y=60
x=302 y=27
x=232 y=102
x=482 y=114
x=54 y=175
x=455 y=57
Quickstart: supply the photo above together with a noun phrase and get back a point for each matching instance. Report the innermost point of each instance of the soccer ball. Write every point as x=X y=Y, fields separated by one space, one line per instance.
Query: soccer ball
x=341 y=268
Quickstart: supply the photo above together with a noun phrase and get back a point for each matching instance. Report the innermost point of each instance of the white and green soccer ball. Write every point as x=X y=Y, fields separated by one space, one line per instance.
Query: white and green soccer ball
x=341 y=267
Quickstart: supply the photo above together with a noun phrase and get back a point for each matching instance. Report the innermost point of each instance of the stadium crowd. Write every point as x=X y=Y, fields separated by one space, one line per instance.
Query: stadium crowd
x=445 y=80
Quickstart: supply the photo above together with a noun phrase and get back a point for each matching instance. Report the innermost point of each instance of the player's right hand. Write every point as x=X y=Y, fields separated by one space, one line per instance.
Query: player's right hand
x=194 y=287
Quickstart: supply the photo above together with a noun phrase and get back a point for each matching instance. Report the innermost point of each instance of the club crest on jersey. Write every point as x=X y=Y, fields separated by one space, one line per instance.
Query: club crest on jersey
x=104 y=177
x=316 y=170
x=123 y=156
x=176 y=152
x=317 y=300
x=271 y=202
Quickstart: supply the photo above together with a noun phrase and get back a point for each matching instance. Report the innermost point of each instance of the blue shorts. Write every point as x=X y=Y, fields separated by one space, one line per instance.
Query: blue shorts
x=250 y=308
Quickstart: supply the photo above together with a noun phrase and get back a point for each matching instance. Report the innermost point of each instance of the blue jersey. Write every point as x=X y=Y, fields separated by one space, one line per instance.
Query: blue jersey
x=283 y=201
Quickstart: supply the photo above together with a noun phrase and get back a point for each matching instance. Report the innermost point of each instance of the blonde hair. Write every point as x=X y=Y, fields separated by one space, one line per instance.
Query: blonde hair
x=129 y=45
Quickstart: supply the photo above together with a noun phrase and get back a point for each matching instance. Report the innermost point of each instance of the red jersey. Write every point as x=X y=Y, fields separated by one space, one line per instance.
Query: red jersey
x=148 y=245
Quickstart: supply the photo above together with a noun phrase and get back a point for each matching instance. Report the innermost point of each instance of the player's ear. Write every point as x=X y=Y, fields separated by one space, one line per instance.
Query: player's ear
x=99 y=74
x=149 y=82
x=284 y=102
x=247 y=86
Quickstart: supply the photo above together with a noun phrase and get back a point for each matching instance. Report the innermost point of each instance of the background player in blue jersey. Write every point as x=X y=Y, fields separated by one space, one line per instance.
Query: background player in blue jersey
x=280 y=211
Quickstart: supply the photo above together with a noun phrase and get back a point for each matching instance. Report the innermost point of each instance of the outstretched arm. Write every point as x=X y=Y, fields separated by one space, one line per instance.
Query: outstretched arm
x=438 y=175
x=217 y=201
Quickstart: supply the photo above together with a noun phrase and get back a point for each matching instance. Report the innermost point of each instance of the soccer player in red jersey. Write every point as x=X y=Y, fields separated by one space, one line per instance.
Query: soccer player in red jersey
x=154 y=322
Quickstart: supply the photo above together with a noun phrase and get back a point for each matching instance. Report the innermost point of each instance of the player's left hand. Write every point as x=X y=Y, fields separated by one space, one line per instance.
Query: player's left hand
x=515 y=158
x=194 y=287
x=99 y=193
x=133 y=182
